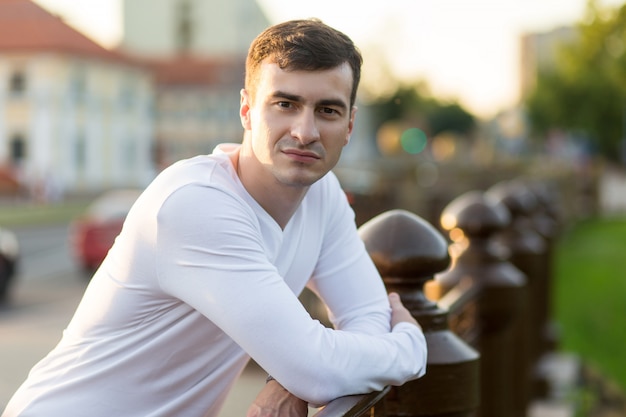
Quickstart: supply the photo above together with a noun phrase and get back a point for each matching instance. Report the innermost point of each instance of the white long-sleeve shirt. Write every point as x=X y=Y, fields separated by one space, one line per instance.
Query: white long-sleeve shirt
x=200 y=279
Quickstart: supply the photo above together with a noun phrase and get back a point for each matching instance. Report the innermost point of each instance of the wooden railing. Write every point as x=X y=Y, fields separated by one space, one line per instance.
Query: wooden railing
x=482 y=295
x=354 y=405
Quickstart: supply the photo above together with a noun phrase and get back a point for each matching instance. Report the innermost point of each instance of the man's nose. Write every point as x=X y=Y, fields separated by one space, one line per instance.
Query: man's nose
x=305 y=128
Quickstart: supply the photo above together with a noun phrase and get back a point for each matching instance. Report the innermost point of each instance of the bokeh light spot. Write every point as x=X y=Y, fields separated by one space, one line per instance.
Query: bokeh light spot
x=443 y=146
x=388 y=138
x=413 y=140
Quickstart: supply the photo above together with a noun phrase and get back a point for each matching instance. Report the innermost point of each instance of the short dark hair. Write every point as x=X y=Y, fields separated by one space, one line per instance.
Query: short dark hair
x=307 y=45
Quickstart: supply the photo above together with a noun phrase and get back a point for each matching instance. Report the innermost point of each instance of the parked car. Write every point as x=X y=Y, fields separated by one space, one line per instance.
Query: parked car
x=93 y=233
x=9 y=255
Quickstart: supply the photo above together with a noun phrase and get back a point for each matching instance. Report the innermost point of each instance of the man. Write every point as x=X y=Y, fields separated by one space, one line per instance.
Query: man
x=206 y=271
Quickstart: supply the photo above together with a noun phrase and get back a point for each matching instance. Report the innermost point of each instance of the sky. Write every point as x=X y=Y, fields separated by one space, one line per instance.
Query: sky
x=465 y=50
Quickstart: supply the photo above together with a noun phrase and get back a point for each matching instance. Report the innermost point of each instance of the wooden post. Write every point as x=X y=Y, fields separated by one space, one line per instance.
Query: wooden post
x=408 y=251
x=527 y=248
x=472 y=221
x=546 y=223
x=544 y=219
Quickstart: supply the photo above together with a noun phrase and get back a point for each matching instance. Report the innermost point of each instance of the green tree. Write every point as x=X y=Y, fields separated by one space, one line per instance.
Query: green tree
x=414 y=103
x=585 y=91
x=450 y=118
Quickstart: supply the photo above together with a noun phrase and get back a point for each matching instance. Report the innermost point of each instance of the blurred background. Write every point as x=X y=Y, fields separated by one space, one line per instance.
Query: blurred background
x=104 y=94
x=101 y=95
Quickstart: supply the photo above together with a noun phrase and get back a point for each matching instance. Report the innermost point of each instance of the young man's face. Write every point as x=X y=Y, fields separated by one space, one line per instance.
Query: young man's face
x=298 y=122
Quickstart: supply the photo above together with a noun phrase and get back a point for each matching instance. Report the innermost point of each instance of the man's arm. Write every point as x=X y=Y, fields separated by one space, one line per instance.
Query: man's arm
x=275 y=401
x=215 y=260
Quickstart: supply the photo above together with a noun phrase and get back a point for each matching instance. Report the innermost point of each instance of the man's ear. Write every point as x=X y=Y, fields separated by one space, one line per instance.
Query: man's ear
x=244 y=109
x=350 y=124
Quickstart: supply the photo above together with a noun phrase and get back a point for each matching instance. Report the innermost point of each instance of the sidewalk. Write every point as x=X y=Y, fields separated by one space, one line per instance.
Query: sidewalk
x=613 y=192
x=244 y=391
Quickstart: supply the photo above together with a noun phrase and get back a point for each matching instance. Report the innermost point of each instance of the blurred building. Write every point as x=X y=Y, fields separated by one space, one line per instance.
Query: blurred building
x=197 y=50
x=79 y=117
x=196 y=105
x=73 y=115
x=540 y=51
x=202 y=28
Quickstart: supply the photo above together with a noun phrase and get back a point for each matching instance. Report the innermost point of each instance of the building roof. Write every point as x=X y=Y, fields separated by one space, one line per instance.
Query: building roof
x=186 y=70
x=27 y=27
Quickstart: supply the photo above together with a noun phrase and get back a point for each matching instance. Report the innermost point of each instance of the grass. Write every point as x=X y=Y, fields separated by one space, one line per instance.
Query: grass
x=590 y=294
x=26 y=214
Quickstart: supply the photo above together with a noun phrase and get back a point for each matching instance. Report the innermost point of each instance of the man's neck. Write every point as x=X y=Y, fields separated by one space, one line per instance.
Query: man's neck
x=278 y=200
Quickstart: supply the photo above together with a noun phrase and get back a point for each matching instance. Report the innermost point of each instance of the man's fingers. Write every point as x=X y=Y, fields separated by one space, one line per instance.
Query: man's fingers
x=399 y=313
x=394 y=298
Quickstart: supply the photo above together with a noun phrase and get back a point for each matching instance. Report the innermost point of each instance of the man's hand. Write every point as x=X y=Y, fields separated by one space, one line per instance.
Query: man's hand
x=276 y=401
x=399 y=312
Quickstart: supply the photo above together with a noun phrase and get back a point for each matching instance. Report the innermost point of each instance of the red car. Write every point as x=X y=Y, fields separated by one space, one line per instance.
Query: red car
x=93 y=233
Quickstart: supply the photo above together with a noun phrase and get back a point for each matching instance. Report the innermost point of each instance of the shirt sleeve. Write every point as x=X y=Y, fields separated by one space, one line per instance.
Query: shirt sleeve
x=210 y=256
x=345 y=278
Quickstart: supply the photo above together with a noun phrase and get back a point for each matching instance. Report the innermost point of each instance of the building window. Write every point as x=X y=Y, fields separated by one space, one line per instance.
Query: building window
x=78 y=83
x=184 y=26
x=80 y=154
x=129 y=155
x=127 y=94
x=18 y=149
x=17 y=83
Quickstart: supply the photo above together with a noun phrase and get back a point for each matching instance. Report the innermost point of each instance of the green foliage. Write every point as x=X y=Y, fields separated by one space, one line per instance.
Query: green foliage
x=405 y=101
x=585 y=91
x=590 y=287
x=450 y=118
x=413 y=103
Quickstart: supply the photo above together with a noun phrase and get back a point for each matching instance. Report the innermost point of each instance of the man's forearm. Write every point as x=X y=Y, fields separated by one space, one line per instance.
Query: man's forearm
x=276 y=401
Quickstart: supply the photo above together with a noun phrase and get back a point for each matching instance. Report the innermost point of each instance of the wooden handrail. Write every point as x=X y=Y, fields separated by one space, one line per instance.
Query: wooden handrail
x=458 y=296
x=461 y=302
x=352 y=405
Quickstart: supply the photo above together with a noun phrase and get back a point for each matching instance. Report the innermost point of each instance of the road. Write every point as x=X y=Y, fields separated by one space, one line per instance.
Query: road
x=47 y=290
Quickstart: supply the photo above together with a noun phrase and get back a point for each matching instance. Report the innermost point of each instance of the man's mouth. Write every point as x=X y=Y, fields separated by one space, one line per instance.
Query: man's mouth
x=301 y=155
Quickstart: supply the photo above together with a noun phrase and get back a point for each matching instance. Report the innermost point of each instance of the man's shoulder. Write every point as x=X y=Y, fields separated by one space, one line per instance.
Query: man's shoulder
x=208 y=175
x=200 y=168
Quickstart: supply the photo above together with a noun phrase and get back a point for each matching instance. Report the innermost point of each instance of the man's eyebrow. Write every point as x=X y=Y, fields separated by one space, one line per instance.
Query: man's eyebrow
x=288 y=96
x=298 y=99
x=333 y=102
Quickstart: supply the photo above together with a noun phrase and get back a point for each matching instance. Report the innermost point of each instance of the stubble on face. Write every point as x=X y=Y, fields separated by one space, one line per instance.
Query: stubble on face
x=299 y=122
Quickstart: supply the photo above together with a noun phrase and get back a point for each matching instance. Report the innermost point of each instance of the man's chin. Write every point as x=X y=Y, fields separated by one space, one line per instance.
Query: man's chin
x=301 y=180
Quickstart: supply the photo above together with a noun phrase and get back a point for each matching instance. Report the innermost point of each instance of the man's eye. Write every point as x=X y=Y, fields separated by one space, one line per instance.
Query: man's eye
x=329 y=110
x=284 y=104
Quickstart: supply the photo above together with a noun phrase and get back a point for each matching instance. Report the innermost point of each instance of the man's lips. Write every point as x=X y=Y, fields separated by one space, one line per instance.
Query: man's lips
x=301 y=156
